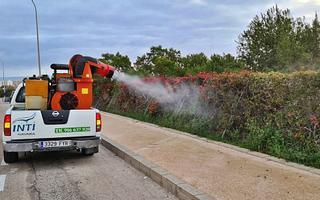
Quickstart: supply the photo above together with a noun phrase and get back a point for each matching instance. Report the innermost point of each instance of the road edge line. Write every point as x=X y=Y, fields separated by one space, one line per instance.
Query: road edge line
x=168 y=181
x=2 y=181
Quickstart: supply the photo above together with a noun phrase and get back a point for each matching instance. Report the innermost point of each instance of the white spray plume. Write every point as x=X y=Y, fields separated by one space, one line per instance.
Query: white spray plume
x=183 y=98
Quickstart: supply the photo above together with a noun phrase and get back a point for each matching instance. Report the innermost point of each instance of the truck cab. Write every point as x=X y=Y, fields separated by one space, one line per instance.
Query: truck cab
x=35 y=130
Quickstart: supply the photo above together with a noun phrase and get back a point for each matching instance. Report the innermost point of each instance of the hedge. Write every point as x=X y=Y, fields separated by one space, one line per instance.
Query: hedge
x=273 y=113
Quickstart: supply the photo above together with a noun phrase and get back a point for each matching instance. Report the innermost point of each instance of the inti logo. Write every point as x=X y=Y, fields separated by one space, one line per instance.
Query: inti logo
x=24 y=127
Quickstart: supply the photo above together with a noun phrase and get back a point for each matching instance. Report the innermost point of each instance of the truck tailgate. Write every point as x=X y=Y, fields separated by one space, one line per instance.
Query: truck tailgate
x=36 y=124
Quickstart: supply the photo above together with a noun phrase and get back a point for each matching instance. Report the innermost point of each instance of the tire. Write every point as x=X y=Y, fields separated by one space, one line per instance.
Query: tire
x=10 y=157
x=90 y=151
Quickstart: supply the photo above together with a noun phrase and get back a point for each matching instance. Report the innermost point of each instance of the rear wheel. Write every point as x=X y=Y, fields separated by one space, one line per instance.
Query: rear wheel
x=90 y=151
x=10 y=157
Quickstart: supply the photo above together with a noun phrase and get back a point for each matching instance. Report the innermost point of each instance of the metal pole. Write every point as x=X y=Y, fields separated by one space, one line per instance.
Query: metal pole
x=3 y=83
x=38 y=45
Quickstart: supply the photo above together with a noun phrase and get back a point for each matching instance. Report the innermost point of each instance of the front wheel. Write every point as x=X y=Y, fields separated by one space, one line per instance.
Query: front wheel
x=10 y=157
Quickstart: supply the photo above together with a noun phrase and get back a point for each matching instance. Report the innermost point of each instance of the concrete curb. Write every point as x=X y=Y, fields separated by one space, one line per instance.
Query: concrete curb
x=171 y=183
x=266 y=157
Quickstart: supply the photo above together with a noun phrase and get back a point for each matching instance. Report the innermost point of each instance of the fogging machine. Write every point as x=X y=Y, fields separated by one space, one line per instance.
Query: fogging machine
x=70 y=86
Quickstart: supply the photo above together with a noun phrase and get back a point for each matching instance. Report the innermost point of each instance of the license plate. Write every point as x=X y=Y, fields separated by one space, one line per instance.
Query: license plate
x=60 y=143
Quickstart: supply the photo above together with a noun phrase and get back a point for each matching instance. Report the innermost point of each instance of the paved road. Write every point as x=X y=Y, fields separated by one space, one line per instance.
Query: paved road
x=69 y=175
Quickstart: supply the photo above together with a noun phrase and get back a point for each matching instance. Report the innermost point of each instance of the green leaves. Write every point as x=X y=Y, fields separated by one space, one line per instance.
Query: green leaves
x=160 y=61
x=275 y=41
x=122 y=62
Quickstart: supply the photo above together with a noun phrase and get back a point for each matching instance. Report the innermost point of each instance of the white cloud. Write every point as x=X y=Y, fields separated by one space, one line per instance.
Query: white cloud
x=209 y=26
x=300 y=8
x=198 y=2
x=316 y=2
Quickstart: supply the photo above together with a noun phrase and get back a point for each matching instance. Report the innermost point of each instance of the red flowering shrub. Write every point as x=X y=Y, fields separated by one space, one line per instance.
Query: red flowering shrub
x=275 y=113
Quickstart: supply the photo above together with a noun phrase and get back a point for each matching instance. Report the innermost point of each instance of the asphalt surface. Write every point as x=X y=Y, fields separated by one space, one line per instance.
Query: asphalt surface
x=70 y=175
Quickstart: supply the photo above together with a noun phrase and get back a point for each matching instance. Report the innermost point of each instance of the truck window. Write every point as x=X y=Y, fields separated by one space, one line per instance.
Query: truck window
x=21 y=96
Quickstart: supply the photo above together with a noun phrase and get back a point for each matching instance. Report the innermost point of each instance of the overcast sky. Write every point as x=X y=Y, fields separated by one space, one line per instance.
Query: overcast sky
x=93 y=27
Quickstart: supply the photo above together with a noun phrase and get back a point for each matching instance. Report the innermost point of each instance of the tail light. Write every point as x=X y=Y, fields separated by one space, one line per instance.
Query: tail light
x=98 y=122
x=7 y=125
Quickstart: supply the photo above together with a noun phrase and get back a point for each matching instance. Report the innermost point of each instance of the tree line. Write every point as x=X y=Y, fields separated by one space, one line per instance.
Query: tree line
x=273 y=41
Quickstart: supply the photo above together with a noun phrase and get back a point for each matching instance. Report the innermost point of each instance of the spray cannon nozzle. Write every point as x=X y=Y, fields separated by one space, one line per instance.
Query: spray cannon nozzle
x=105 y=70
x=79 y=64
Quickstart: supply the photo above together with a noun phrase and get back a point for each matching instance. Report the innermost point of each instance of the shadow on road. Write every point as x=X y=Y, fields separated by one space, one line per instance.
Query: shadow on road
x=50 y=156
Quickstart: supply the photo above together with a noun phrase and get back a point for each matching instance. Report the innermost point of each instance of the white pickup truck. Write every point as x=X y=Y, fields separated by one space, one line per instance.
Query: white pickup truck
x=48 y=130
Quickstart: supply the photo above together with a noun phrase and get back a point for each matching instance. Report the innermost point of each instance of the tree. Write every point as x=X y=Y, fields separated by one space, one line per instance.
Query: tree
x=194 y=63
x=1 y=92
x=311 y=40
x=223 y=63
x=267 y=36
x=276 y=41
x=121 y=62
x=8 y=90
x=160 y=61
